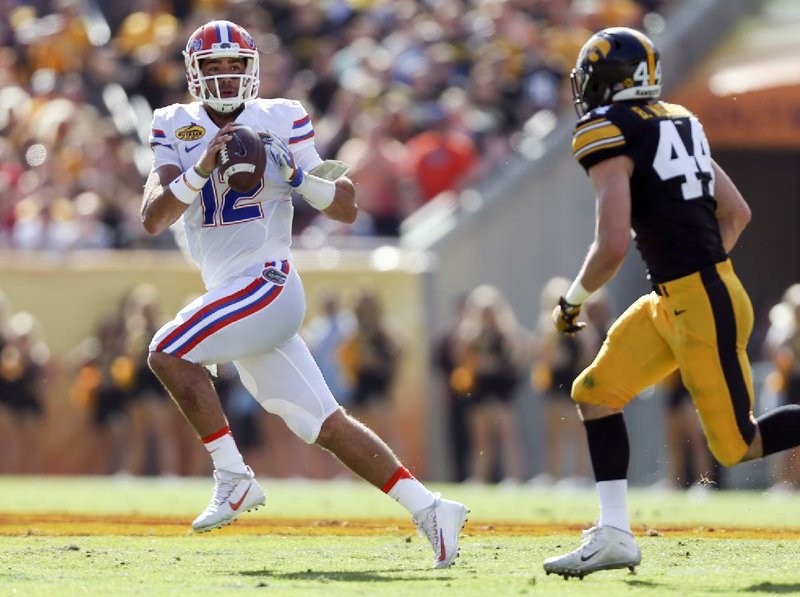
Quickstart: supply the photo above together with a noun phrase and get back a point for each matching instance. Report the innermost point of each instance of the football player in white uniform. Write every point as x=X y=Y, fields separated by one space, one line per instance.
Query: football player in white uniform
x=254 y=304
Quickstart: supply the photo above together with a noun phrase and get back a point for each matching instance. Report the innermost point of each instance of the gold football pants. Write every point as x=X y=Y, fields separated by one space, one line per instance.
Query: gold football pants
x=699 y=324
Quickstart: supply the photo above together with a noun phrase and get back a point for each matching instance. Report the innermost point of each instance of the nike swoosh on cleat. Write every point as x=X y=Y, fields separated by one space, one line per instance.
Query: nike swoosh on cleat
x=442 y=554
x=189 y=148
x=236 y=505
x=679 y=311
x=590 y=556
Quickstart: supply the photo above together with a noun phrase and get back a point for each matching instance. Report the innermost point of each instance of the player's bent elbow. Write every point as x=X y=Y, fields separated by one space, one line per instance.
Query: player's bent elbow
x=350 y=214
x=152 y=225
x=744 y=215
x=347 y=211
x=614 y=249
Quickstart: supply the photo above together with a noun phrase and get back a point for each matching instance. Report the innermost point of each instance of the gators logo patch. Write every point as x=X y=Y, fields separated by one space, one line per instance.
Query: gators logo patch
x=274 y=275
x=193 y=132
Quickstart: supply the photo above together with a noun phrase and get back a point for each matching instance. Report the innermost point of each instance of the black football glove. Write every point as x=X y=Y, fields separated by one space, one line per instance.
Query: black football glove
x=564 y=316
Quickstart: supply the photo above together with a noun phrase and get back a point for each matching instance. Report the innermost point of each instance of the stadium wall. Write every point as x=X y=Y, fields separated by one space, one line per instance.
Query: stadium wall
x=70 y=293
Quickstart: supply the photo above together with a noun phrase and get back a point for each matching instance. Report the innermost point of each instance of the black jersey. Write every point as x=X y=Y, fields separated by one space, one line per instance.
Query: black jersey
x=672 y=186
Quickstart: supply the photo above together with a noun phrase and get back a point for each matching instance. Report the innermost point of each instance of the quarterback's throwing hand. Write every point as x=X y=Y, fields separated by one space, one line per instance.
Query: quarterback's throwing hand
x=564 y=316
x=282 y=157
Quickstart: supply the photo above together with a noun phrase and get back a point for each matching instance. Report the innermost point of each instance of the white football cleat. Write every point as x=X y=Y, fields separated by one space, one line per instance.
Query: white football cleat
x=603 y=548
x=234 y=493
x=441 y=524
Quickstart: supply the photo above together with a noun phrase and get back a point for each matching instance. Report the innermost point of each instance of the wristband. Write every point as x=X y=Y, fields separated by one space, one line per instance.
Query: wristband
x=187 y=185
x=200 y=171
x=297 y=180
x=577 y=294
x=317 y=191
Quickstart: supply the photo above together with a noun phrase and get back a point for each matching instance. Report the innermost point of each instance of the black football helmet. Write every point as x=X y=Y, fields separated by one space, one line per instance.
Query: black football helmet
x=616 y=64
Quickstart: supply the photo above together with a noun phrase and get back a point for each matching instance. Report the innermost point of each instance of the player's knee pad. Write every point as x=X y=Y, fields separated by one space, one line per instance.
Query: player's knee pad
x=587 y=389
x=302 y=423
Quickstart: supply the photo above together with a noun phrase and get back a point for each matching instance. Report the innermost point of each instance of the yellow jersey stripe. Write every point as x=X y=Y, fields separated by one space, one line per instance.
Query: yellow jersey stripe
x=602 y=130
x=591 y=124
x=597 y=145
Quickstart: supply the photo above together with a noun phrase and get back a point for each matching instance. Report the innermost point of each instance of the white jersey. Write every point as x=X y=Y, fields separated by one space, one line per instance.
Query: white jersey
x=230 y=233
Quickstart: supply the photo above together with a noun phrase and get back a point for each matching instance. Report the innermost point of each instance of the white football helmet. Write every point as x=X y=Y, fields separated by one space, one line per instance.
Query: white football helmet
x=221 y=39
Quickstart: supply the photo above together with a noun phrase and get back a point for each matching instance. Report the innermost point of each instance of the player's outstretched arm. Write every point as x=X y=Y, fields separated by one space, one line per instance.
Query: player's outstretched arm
x=733 y=213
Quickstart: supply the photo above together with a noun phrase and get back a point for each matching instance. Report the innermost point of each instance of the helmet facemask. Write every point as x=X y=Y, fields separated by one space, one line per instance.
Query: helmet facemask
x=586 y=94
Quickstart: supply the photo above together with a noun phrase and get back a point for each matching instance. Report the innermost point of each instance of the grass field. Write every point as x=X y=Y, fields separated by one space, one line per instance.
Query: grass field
x=103 y=536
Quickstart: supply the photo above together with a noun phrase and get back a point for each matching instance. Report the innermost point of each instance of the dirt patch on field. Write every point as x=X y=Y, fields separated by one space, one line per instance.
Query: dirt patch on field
x=55 y=524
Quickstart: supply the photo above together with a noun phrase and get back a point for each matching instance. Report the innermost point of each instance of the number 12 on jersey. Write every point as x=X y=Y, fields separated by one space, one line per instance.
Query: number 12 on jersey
x=228 y=209
x=673 y=159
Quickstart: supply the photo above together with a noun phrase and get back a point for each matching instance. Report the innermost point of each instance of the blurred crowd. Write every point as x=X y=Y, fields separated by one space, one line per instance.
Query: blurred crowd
x=420 y=96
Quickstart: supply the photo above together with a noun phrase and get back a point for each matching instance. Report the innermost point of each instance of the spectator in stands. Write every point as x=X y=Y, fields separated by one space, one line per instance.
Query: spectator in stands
x=102 y=383
x=492 y=347
x=397 y=61
x=150 y=419
x=377 y=160
x=325 y=334
x=782 y=348
x=24 y=368
x=558 y=360
x=441 y=158
x=446 y=361
x=370 y=357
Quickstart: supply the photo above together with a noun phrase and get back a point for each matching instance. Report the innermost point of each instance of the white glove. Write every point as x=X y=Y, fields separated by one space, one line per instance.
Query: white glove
x=282 y=157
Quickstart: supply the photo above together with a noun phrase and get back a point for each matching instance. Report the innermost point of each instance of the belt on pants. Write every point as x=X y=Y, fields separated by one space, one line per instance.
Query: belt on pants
x=660 y=288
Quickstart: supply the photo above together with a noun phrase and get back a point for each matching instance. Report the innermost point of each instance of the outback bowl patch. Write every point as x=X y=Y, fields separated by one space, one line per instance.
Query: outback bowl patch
x=193 y=132
x=274 y=275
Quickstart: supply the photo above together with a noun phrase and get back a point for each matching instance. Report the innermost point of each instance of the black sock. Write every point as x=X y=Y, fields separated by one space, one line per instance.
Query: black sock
x=608 y=447
x=780 y=429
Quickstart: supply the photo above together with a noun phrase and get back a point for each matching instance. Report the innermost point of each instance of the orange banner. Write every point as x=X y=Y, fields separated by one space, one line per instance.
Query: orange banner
x=763 y=119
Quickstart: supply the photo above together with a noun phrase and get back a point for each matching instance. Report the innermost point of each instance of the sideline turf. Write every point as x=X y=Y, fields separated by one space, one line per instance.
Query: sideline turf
x=355 y=499
x=396 y=563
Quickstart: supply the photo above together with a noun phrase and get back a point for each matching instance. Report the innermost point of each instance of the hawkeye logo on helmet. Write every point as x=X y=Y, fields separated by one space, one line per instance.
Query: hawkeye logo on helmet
x=598 y=48
x=193 y=132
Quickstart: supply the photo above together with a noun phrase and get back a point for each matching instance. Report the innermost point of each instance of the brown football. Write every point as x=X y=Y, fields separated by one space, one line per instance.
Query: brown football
x=243 y=159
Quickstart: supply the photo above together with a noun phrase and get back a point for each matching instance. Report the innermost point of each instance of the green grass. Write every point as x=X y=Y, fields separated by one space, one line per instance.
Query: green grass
x=391 y=564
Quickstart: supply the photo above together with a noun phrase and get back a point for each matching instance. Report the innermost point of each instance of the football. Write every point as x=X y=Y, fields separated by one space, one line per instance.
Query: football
x=242 y=161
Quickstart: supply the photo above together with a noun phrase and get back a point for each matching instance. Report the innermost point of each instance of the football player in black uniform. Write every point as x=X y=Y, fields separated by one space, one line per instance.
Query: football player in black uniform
x=652 y=171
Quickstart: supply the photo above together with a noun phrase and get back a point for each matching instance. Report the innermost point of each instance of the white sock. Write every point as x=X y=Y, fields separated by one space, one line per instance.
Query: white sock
x=224 y=452
x=409 y=493
x=614 y=504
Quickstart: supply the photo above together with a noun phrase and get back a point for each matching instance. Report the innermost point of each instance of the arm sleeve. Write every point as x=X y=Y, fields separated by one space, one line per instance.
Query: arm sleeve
x=162 y=142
